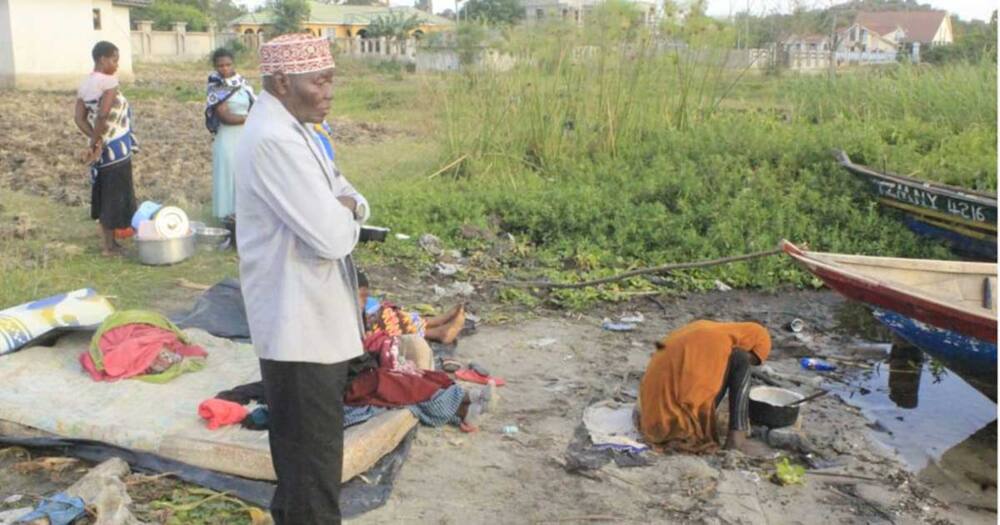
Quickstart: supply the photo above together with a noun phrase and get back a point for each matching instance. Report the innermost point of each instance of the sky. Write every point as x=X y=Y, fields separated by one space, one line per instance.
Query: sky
x=965 y=9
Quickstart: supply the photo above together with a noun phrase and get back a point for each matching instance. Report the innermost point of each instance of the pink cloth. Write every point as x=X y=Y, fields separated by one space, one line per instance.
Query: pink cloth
x=219 y=412
x=131 y=349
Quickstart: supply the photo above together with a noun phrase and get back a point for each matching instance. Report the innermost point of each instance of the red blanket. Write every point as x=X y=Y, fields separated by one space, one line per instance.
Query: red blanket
x=131 y=349
x=384 y=388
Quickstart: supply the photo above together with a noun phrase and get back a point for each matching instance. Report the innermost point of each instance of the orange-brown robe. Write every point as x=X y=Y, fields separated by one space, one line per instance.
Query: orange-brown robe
x=683 y=378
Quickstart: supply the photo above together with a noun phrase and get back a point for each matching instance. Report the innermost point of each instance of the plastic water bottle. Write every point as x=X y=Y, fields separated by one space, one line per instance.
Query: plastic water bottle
x=510 y=429
x=811 y=363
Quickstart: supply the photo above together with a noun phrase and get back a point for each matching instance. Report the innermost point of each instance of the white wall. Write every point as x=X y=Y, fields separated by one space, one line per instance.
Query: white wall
x=944 y=33
x=52 y=39
x=6 y=49
x=116 y=28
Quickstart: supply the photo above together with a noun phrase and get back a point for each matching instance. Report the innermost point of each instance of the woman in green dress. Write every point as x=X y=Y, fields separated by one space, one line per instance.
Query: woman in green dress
x=229 y=100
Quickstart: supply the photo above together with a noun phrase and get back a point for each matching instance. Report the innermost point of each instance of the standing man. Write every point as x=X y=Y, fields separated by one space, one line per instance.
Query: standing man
x=299 y=220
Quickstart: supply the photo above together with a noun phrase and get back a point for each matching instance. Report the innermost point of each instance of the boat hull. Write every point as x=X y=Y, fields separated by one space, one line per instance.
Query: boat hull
x=961 y=242
x=973 y=359
x=882 y=296
x=965 y=219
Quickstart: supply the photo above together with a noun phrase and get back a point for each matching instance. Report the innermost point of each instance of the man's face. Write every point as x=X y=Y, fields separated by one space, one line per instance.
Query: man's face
x=309 y=96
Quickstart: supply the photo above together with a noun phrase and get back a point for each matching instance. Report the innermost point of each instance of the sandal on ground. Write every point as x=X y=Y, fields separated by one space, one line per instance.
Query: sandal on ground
x=472 y=376
x=450 y=365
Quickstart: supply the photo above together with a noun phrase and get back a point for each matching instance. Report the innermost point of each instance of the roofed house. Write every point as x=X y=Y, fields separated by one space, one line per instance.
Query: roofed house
x=859 y=37
x=536 y=11
x=815 y=42
x=47 y=43
x=928 y=28
x=341 y=21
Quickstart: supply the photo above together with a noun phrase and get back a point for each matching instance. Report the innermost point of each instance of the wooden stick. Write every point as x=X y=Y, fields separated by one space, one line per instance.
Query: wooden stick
x=808 y=398
x=589 y=517
x=836 y=475
x=191 y=285
x=447 y=166
x=641 y=271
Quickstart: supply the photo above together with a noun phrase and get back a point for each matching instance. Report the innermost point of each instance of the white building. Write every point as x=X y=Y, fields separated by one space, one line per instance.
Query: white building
x=46 y=43
x=575 y=10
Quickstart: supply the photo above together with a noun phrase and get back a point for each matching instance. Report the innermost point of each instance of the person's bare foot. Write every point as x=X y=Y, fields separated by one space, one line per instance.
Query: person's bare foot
x=449 y=332
x=445 y=318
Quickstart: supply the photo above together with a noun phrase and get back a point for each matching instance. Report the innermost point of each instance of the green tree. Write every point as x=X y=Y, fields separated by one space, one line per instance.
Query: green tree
x=164 y=13
x=977 y=44
x=394 y=25
x=493 y=12
x=197 y=13
x=288 y=16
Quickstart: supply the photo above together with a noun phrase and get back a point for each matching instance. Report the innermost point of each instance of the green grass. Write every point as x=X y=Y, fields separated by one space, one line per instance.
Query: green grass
x=633 y=158
x=62 y=253
x=625 y=159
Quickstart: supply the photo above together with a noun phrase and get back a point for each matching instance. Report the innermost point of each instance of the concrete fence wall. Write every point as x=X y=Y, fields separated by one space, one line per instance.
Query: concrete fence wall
x=178 y=45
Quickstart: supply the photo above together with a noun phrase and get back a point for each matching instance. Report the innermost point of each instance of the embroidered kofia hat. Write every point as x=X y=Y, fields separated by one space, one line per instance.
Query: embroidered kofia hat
x=295 y=54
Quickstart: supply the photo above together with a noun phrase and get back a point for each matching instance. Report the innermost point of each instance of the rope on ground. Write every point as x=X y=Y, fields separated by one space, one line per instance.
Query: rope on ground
x=641 y=271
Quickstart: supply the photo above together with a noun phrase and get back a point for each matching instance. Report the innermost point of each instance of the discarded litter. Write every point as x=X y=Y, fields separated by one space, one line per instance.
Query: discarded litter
x=811 y=363
x=722 y=287
x=788 y=473
x=12 y=499
x=611 y=326
x=750 y=476
x=431 y=244
x=402 y=236
x=508 y=430
x=635 y=318
x=446 y=269
x=796 y=325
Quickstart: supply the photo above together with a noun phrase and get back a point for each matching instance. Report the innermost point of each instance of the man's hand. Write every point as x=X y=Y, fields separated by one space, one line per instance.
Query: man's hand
x=349 y=203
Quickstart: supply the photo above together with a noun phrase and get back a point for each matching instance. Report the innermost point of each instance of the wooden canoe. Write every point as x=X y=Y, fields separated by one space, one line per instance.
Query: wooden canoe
x=951 y=295
x=966 y=219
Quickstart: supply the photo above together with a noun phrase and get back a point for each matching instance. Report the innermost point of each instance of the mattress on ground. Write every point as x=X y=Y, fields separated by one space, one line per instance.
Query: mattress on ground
x=45 y=388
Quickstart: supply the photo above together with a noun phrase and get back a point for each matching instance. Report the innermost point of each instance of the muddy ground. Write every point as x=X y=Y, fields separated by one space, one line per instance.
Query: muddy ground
x=40 y=146
x=557 y=364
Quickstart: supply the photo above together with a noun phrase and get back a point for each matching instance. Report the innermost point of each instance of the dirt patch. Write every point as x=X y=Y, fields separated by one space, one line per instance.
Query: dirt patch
x=453 y=477
x=40 y=146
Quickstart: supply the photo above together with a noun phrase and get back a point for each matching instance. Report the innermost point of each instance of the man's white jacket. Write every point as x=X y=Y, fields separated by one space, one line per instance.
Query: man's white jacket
x=295 y=241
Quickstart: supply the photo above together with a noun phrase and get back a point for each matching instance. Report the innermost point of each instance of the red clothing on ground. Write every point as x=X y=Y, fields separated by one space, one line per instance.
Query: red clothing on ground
x=131 y=349
x=385 y=388
x=220 y=412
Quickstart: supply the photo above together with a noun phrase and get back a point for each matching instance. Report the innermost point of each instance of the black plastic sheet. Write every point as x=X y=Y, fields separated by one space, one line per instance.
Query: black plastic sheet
x=358 y=496
x=581 y=454
x=219 y=311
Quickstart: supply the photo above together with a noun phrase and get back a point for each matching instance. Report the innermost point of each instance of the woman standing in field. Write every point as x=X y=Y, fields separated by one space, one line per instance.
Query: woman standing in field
x=229 y=100
x=103 y=114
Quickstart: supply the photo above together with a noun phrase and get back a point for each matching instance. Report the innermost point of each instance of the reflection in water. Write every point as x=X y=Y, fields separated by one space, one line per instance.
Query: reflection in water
x=966 y=474
x=923 y=413
x=905 y=366
x=941 y=425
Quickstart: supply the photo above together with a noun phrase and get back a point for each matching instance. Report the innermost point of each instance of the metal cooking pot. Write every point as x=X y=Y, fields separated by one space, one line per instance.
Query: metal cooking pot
x=211 y=238
x=769 y=406
x=158 y=252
